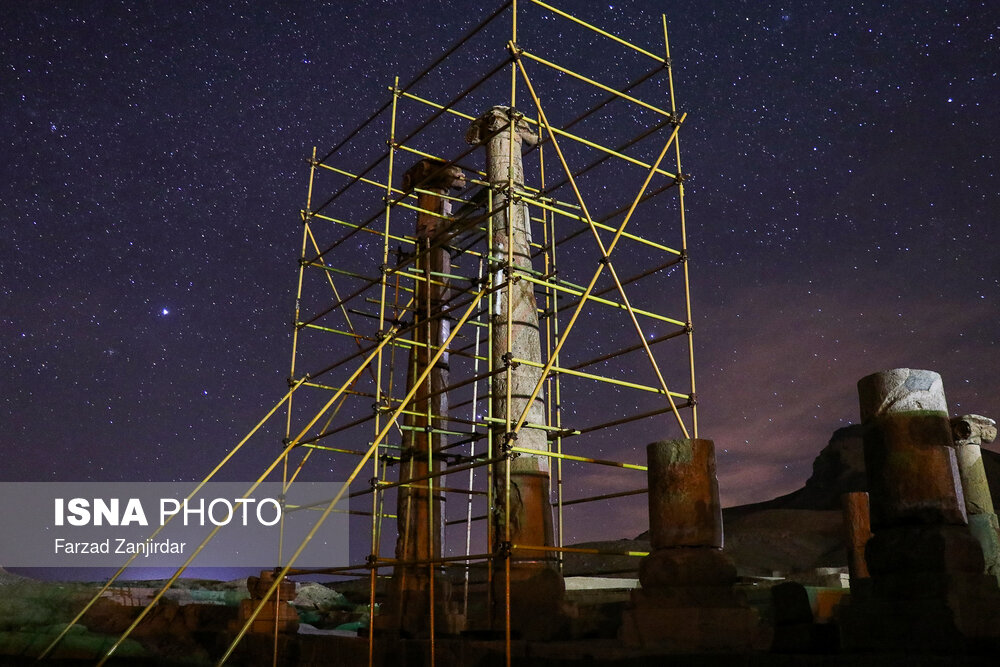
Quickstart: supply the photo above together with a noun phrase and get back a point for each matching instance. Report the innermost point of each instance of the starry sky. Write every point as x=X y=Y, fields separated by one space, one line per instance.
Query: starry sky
x=842 y=209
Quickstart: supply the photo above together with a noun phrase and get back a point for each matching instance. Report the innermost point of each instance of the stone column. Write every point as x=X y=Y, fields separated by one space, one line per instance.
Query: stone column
x=970 y=432
x=530 y=513
x=687 y=601
x=536 y=589
x=684 y=507
x=858 y=530
x=418 y=514
x=912 y=470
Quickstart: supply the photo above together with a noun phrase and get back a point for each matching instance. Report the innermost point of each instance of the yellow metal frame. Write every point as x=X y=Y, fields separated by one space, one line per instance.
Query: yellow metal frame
x=368 y=367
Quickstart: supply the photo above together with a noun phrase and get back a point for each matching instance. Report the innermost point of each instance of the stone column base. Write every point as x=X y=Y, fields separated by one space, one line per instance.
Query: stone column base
x=536 y=602
x=407 y=611
x=688 y=604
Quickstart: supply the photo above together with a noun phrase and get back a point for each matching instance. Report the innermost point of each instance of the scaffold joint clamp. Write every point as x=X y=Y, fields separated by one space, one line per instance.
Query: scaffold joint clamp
x=508 y=444
x=503 y=550
x=508 y=360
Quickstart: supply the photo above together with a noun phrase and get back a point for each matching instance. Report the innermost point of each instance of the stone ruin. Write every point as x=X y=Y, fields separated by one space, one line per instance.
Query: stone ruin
x=928 y=588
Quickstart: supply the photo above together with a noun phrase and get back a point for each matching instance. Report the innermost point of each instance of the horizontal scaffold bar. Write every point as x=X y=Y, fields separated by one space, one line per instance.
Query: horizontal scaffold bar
x=559 y=68
x=610 y=152
x=340 y=272
x=601 y=378
x=400 y=343
x=581 y=459
x=427 y=70
x=603 y=33
x=604 y=496
x=411 y=193
x=599 y=225
x=562 y=287
x=579 y=550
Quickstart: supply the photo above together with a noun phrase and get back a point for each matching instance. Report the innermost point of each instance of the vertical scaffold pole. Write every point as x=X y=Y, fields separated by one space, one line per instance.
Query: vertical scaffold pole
x=373 y=576
x=689 y=328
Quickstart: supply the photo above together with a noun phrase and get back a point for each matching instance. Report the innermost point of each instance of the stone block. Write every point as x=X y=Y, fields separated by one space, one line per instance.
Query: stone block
x=688 y=596
x=923 y=549
x=791 y=604
x=687 y=567
x=912 y=470
x=693 y=629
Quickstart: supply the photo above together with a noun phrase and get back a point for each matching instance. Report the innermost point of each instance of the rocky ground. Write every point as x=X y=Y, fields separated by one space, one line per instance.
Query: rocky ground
x=795 y=536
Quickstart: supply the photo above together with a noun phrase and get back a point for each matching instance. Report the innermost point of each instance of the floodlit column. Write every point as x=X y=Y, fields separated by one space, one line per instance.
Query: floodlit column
x=970 y=432
x=909 y=453
x=530 y=514
x=418 y=511
x=684 y=507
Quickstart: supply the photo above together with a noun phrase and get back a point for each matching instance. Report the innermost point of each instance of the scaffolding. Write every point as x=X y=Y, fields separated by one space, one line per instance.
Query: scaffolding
x=604 y=192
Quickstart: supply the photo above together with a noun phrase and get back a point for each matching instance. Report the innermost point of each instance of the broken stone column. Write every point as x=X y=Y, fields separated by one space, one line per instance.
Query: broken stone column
x=687 y=601
x=928 y=590
x=912 y=470
x=504 y=134
x=418 y=513
x=858 y=530
x=970 y=432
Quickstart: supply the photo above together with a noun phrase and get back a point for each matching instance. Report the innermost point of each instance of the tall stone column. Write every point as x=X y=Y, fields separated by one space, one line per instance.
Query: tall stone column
x=928 y=589
x=530 y=514
x=418 y=513
x=970 y=432
x=527 y=506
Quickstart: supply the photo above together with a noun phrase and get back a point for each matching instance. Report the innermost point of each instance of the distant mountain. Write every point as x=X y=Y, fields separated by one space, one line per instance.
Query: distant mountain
x=839 y=469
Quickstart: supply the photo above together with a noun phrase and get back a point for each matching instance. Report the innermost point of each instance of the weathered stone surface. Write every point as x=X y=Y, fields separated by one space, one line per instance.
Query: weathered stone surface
x=857 y=529
x=418 y=507
x=951 y=612
x=970 y=432
x=917 y=548
x=693 y=629
x=258 y=586
x=912 y=469
x=536 y=594
x=264 y=623
x=684 y=507
x=791 y=604
x=986 y=529
x=901 y=390
x=973 y=430
x=686 y=567
x=317 y=596
x=687 y=601
x=504 y=133
x=927 y=589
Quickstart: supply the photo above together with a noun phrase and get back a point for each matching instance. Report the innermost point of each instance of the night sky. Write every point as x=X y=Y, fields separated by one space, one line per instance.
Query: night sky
x=843 y=214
